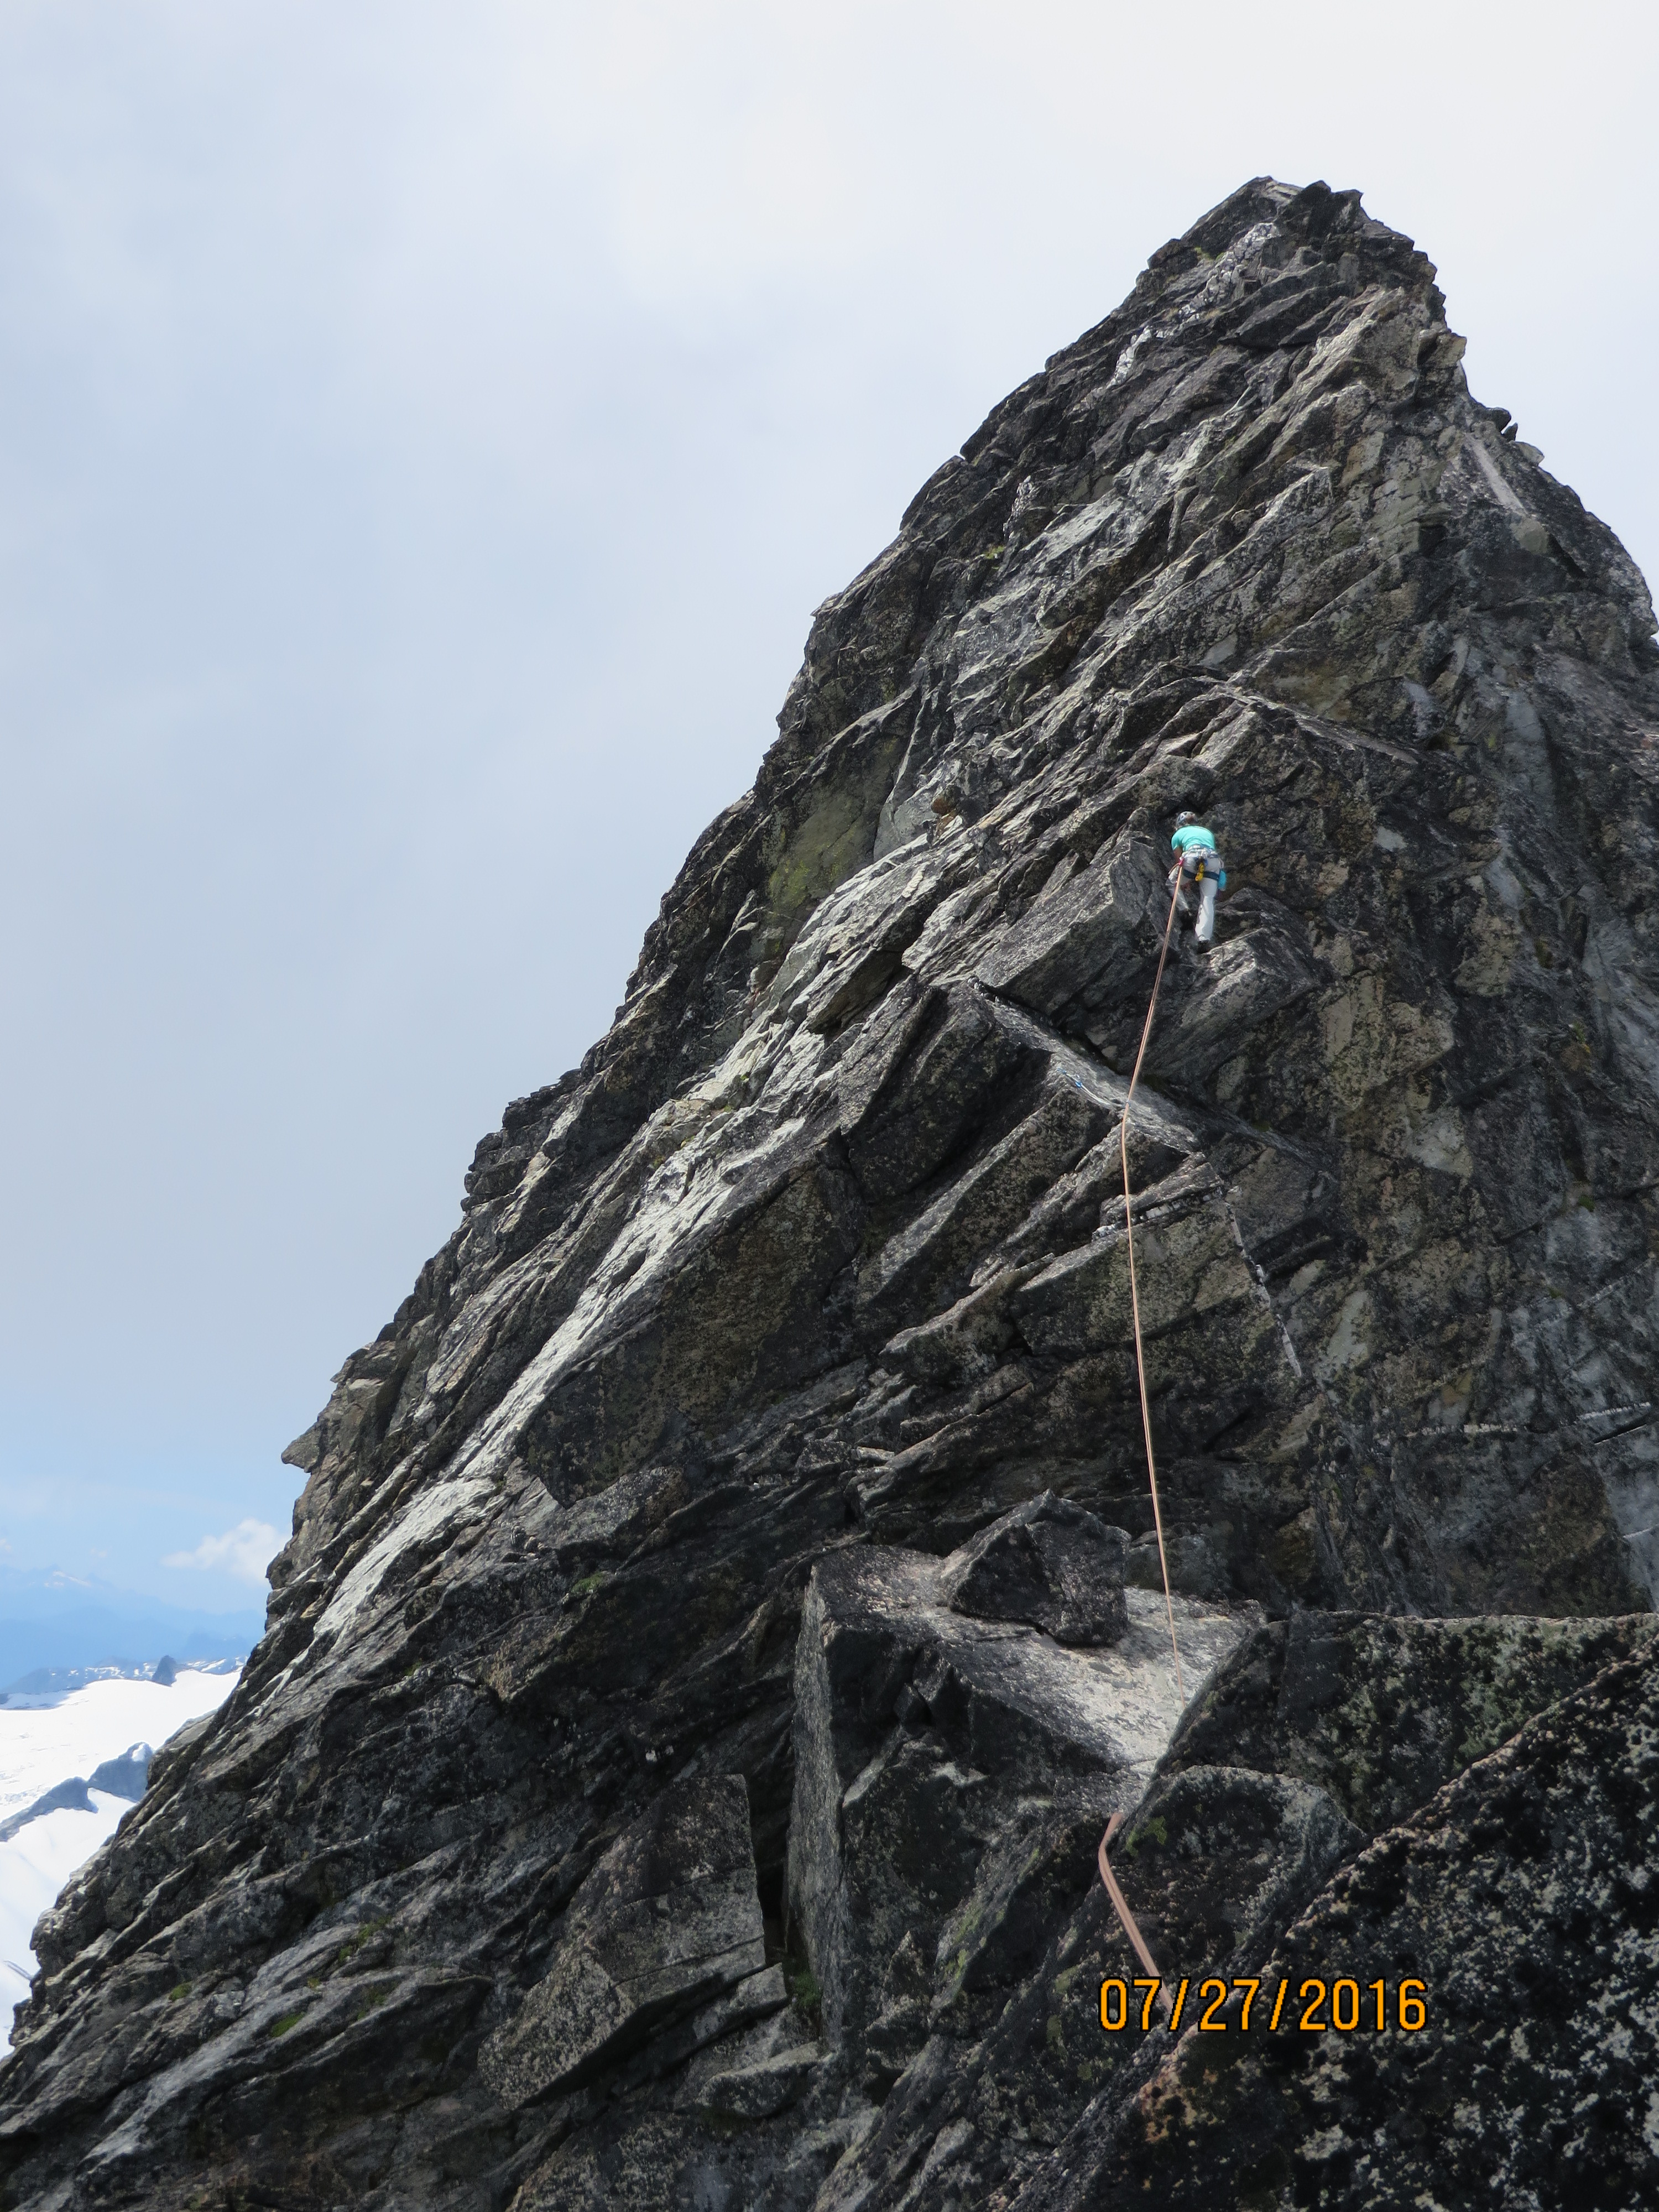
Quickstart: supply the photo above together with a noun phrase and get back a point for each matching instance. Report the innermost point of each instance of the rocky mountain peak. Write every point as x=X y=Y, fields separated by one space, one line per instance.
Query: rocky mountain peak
x=720 y=1619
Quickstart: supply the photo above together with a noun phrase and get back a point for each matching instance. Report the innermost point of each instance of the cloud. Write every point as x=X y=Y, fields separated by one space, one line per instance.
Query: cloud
x=245 y=1550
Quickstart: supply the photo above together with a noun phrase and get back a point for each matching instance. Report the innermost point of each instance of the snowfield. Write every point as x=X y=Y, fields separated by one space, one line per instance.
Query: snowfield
x=45 y=1740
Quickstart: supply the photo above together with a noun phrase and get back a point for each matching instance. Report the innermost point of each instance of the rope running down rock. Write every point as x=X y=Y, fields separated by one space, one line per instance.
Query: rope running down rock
x=1138 y=1941
x=1134 y=1289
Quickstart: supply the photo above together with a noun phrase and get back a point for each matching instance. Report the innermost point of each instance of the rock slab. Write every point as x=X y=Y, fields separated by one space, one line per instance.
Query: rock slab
x=668 y=1919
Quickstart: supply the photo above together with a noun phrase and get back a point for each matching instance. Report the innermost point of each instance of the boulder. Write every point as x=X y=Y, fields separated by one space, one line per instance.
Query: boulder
x=1050 y=1564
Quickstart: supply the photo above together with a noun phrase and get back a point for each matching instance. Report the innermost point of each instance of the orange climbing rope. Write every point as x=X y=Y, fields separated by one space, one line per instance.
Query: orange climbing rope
x=1134 y=1288
x=1119 y=1902
x=1130 y=1930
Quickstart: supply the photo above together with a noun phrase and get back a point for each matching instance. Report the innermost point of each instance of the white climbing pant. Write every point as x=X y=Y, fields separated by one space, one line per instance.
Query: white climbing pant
x=1206 y=929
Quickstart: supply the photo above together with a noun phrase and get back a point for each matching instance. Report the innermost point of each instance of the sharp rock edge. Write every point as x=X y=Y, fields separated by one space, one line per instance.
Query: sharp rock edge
x=660 y=1784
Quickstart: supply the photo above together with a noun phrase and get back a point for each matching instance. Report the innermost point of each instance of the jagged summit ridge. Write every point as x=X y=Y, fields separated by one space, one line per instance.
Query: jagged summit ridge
x=814 y=1268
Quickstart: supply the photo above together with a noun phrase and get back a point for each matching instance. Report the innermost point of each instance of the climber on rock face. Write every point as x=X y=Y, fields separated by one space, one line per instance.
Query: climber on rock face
x=1198 y=863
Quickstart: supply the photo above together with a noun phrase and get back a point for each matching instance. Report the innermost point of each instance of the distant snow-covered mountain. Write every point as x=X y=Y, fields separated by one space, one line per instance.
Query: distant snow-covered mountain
x=60 y=1622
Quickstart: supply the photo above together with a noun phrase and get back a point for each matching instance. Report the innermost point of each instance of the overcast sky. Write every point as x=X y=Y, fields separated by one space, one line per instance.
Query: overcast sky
x=424 y=434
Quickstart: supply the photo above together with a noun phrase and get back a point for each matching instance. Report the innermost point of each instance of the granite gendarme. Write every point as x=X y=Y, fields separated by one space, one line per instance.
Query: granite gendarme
x=721 y=1614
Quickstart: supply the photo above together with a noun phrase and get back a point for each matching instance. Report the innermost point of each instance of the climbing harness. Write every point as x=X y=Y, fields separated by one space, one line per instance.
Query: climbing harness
x=1135 y=1937
x=1199 y=867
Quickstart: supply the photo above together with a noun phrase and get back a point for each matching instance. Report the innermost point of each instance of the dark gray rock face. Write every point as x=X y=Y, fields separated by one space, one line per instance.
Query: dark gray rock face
x=1318 y=1734
x=668 y=1921
x=1516 y=1893
x=952 y=1777
x=650 y=1790
x=1050 y=1565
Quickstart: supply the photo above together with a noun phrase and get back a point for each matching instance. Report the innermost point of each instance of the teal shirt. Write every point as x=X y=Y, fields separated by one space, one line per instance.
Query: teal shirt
x=1195 y=834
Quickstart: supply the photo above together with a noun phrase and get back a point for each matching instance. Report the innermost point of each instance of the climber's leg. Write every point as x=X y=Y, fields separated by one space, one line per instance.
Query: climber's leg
x=1206 y=892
